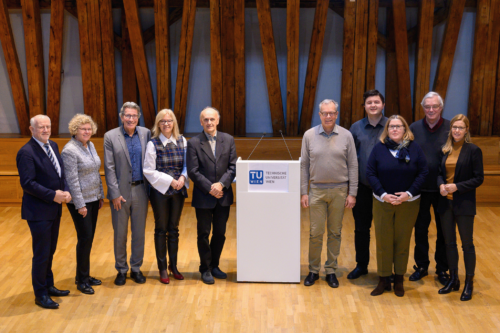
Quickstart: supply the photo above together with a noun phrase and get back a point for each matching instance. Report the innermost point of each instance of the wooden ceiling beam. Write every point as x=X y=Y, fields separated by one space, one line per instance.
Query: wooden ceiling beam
x=162 y=40
x=292 y=74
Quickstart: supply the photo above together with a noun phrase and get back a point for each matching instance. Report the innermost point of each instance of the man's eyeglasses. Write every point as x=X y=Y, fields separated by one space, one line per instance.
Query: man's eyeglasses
x=429 y=107
x=329 y=114
x=131 y=116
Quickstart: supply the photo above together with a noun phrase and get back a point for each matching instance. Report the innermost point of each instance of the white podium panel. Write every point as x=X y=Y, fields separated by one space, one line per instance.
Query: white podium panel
x=268 y=223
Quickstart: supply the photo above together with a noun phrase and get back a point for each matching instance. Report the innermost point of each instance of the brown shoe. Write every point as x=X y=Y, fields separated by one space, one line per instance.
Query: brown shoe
x=399 y=289
x=383 y=284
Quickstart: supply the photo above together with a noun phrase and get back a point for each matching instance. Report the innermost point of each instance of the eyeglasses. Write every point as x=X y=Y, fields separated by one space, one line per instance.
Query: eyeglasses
x=395 y=127
x=429 y=107
x=131 y=116
x=163 y=122
x=329 y=114
x=458 y=128
x=85 y=129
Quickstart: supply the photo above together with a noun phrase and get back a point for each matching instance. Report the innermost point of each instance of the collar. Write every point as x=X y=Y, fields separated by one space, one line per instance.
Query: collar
x=322 y=130
x=164 y=140
x=40 y=142
x=436 y=127
x=75 y=141
x=125 y=133
x=209 y=137
x=381 y=122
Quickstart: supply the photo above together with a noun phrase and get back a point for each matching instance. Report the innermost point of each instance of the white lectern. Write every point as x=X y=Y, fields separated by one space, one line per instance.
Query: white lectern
x=268 y=221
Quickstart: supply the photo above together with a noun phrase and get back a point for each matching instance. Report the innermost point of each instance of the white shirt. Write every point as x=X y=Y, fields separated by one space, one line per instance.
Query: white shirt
x=160 y=180
x=58 y=167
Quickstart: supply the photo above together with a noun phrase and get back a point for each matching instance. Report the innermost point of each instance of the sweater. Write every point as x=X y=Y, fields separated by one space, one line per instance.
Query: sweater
x=388 y=174
x=431 y=144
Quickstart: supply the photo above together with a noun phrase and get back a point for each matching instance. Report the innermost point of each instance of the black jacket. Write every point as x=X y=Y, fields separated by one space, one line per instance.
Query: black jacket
x=469 y=175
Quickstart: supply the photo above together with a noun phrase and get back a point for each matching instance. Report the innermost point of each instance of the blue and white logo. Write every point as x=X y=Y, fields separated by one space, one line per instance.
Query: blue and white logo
x=256 y=177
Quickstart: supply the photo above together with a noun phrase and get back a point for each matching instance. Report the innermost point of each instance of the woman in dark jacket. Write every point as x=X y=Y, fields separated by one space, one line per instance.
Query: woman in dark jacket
x=396 y=171
x=460 y=174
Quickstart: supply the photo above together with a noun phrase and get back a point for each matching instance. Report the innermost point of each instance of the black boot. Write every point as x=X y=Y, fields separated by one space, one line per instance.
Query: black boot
x=399 y=289
x=173 y=247
x=383 y=284
x=468 y=288
x=453 y=283
x=161 y=250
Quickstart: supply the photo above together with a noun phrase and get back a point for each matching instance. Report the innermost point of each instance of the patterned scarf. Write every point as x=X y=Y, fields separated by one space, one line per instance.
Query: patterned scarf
x=402 y=152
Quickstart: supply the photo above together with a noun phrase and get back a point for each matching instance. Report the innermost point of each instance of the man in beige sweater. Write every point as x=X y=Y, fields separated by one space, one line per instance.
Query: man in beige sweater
x=328 y=161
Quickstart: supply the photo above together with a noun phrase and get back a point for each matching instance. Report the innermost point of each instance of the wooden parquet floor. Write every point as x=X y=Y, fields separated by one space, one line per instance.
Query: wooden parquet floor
x=228 y=306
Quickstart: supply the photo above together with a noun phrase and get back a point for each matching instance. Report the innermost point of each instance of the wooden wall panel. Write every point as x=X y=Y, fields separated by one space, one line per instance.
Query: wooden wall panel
x=292 y=73
x=391 y=74
x=129 y=79
x=313 y=62
x=228 y=71
x=455 y=13
x=371 y=60
x=347 y=64
x=34 y=56
x=360 y=48
x=162 y=40
x=424 y=52
x=14 y=69
x=55 y=63
x=239 y=69
x=271 y=66
x=185 y=49
x=484 y=67
x=496 y=114
x=402 y=61
x=140 y=62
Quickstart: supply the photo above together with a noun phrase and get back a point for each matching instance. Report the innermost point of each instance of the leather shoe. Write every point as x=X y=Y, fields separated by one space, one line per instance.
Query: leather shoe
x=310 y=279
x=419 y=273
x=120 y=279
x=207 y=277
x=217 y=273
x=332 y=281
x=46 y=302
x=138 y=277
x=443 y=277
x=92 y=281
x=357 y=272
x=53 y=291
x=85 y=288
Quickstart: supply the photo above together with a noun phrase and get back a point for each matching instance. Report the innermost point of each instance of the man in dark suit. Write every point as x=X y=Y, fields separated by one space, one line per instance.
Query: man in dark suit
x=42 y=179
x=211 y=164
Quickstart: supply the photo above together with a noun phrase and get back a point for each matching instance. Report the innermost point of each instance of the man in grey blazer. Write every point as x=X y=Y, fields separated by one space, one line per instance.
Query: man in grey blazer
x=211 y=165
x=124 y=149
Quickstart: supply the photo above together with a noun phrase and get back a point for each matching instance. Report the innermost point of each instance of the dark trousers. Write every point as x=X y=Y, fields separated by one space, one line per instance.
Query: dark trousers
x=44 y=235
x=210 y=251
x=362 y=213
x=421 y=253
x=465 y=224
x=85 y=230
x=167 y=210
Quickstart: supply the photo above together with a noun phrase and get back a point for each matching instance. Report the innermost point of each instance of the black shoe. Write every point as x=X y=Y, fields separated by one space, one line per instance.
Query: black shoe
x=53 y=291
x=399 y=289
x=138 y=277
x=217 y=273
x=85 y=288
x=357 y=272
x=92 y=281
x=384 y=284
x=207 y=277
x=468 y=288
x=332 y=281
x=443 y=277
x=310 y=279
x=419 y=273
x=121 y=278
x=46 y=302
x=452 y=284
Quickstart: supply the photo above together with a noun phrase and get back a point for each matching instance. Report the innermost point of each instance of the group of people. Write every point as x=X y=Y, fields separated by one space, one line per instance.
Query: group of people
x=140 y=167
x=392 y=173
x=383 y=169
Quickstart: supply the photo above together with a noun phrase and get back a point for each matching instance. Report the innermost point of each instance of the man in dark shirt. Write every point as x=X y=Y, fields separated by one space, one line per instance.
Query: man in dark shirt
x=430 y=134
x=366 y=133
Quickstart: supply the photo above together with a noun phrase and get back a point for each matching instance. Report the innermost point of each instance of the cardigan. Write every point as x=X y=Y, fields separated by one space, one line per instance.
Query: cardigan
x=469 y=175
x=81 y=168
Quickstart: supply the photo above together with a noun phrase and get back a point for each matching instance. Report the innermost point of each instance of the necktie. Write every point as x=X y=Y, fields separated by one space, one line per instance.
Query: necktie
x=51 y=157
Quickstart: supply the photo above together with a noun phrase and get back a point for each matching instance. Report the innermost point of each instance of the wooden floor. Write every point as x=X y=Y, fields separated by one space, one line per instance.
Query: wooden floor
x=228 y=306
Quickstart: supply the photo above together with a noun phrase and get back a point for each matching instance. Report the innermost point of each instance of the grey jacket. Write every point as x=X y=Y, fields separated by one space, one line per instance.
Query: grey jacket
x=82 y=172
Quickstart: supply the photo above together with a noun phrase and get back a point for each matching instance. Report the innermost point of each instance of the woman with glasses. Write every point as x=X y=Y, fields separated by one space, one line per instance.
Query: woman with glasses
x=396 y=171
x=460 y=174
x=165 y=169
x=81 y=167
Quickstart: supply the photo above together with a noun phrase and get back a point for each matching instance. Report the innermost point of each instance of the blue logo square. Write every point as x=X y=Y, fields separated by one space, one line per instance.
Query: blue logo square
x=256 y=177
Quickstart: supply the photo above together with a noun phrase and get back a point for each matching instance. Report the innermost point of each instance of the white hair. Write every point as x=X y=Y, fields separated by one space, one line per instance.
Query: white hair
x=210 y=108
x=329 y=101
x=33 y=121
x=431 y=94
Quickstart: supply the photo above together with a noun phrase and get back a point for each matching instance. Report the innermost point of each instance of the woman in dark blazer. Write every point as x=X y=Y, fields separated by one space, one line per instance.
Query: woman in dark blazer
x=461 y=172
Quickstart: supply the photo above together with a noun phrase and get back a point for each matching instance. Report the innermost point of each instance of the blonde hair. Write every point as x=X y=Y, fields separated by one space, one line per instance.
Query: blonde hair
x=448 y=146
x=408 y=133
x=79 y=120
x=175 y=128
